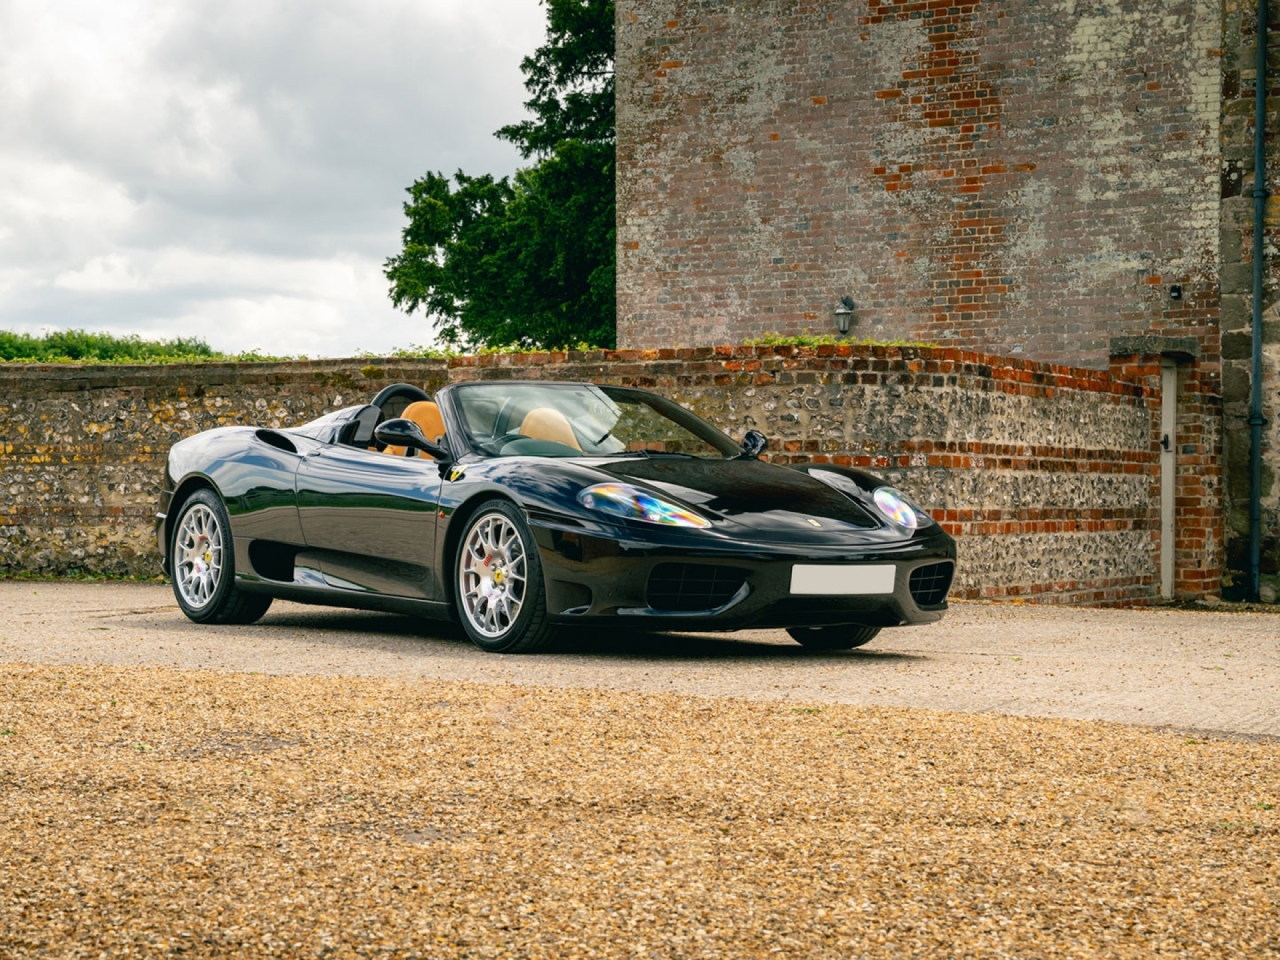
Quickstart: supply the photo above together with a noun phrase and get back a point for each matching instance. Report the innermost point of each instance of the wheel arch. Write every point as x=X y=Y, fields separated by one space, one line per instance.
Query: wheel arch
x=181 y=495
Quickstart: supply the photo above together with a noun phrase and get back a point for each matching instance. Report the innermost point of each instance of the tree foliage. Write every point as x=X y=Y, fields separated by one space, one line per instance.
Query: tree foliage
x=571 y=79
x=528 y=260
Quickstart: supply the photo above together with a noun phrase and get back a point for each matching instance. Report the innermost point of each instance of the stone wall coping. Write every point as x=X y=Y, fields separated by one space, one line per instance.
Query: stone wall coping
x=915 y=359
x=76 y=376
x=788 y=351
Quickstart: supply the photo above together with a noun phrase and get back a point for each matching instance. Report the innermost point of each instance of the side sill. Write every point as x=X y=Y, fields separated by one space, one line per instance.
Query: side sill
x=329 y=597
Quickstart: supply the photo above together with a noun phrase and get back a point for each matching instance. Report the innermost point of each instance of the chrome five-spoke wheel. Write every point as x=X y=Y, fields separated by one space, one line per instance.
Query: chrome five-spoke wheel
x=499 y=581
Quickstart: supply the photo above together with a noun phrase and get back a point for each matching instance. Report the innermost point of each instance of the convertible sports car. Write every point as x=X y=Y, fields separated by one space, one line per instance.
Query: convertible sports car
x=513 y=506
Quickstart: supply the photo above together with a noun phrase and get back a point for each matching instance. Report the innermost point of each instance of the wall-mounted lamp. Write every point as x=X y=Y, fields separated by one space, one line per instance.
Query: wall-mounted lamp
x=844 y=314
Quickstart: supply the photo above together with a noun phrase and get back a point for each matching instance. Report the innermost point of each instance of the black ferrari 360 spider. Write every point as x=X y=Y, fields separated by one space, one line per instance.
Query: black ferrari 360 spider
x=512 y=507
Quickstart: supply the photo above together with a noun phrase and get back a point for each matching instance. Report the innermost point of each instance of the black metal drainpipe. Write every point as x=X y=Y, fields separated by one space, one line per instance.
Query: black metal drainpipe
x=1255 y=401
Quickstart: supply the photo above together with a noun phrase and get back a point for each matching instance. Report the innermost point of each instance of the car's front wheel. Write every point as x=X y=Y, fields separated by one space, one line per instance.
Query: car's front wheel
x=498 y=583
x=202 y=558
x=833 y=638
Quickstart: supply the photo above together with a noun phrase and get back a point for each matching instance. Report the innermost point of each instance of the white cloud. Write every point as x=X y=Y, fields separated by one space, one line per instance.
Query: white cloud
x=238 y=167
x=108 y=274
x=353 y=315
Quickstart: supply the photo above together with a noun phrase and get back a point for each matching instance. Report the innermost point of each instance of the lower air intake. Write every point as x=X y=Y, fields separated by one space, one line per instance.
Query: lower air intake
x=689 y=587
x=929 y=584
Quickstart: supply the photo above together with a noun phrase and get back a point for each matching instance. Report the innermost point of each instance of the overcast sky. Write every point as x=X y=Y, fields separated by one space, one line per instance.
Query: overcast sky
x=235 y=169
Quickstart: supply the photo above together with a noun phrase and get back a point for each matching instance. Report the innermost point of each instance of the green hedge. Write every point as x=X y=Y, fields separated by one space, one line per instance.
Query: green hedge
x=80 y=346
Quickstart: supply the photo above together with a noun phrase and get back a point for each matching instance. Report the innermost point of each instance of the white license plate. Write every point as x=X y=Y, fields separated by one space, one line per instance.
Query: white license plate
x=836 y=580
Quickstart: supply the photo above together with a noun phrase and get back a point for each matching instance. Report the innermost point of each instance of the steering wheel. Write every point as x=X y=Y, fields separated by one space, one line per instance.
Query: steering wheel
x=496 y=443
x=502 y=421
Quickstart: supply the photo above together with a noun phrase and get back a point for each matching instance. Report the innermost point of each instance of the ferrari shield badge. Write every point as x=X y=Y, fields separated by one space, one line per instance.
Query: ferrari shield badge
x=455 y=473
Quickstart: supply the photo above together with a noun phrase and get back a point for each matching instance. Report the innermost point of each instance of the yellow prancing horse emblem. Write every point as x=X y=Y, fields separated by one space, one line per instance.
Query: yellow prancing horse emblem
x=456 y=473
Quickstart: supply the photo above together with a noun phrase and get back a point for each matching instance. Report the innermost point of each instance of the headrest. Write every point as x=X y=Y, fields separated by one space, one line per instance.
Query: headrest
x=426 y=415
x=548 y=423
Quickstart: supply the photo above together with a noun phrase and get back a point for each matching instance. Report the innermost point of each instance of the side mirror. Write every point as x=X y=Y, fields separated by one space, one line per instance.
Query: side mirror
x=754 y=443
x=405 y=433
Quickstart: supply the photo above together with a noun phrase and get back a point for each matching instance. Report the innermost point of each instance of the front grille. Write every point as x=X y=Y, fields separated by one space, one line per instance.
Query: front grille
x=688 y=587
x=929 y=584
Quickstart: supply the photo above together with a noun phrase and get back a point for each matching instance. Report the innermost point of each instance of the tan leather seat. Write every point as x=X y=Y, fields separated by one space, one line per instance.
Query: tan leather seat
x=548 y=423
x=427 y=416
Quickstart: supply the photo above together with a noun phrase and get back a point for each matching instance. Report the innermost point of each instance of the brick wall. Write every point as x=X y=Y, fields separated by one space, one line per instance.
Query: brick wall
x=1196 y=440
x=1048 y=475
x=1022 y=177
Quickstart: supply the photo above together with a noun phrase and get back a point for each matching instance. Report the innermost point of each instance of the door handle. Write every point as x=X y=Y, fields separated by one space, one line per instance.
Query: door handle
x=1164 y=442
x=314 y=453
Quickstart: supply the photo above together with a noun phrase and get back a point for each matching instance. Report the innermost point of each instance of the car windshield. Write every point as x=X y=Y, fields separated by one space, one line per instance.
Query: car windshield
x=576 y=420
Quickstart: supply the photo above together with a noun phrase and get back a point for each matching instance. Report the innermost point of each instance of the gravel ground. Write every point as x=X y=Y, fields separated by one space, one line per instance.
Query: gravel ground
x=333 y=784
x=154 y=812
x=1191 y=670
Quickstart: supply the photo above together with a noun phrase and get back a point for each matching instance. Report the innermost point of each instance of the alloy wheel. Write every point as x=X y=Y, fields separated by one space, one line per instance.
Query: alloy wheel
x=493 y=575
x=198 y=546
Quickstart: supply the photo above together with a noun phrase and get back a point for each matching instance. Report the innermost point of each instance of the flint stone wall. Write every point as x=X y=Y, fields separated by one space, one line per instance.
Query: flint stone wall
x=1047 y=475
x=1235 y=251
x=82 y=448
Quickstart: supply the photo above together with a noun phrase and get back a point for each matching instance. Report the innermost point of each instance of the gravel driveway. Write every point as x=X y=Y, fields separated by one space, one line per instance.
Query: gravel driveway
x=335 y=784
x=150 y=812
x=1193 y=670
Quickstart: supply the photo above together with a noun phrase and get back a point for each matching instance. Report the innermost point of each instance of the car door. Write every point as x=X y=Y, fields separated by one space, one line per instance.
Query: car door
x=370 y=519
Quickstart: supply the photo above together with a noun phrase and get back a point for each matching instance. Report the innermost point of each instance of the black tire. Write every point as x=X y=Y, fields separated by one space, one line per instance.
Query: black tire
x=833 y=638
x=215 y=598
x=481 y=595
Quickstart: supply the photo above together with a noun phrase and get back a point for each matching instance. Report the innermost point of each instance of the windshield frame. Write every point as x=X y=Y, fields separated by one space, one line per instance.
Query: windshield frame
x=449 y=396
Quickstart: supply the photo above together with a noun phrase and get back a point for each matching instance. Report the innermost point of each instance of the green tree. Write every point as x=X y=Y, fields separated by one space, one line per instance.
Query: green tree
x=528 y=260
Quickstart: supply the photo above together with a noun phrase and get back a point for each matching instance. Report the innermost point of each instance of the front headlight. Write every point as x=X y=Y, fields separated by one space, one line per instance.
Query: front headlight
x=632 y=503
x=895 y=506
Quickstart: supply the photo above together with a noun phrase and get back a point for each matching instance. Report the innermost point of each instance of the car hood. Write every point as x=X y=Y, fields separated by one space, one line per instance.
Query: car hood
x=768 y=499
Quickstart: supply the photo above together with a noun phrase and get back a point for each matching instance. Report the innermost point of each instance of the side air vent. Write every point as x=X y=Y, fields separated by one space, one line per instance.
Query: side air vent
x=690 y=587
x=277 y=440
x=929 y=584
x=271 y=560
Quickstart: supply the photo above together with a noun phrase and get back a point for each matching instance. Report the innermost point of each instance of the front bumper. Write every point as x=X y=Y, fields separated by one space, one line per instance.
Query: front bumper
x=595 y=578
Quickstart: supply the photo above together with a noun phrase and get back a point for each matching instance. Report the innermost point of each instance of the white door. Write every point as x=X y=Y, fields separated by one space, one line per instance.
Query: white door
x=1168 y=472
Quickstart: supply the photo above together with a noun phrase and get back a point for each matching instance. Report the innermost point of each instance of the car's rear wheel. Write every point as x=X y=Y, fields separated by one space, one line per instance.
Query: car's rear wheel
x=498 y=584
x=833 y=638
x=203 y=564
